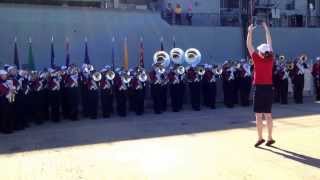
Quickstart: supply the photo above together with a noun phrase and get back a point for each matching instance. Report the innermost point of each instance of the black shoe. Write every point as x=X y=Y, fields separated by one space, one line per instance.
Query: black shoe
x=258 y=143
x=270 y=142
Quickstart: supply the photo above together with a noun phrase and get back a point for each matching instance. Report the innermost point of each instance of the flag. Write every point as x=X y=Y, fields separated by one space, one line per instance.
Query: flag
x=113 y=54
x=52 y=53
x=126 y=58
x=16 y=57
x=161 y=44
x=67 y=52
x=174 y=42
x=31 y=64
x=86 y=55
x=141 y=54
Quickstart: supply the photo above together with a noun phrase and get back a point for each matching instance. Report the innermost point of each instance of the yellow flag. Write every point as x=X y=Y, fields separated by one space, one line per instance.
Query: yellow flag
x=126 y=56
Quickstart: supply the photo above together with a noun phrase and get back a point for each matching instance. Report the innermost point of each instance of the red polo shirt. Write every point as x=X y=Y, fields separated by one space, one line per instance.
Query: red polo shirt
x=263 y=68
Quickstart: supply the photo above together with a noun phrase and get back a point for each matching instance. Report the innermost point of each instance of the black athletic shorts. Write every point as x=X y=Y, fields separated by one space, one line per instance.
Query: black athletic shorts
x=262 y=98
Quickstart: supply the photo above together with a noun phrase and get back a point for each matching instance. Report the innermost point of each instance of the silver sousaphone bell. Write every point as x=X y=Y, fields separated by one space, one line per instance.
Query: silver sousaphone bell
x=177 y=56
x=192 y=56
x=161 y=57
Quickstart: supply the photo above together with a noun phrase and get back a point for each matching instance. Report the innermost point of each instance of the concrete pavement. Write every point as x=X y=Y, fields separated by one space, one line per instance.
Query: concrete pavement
x=205 y=145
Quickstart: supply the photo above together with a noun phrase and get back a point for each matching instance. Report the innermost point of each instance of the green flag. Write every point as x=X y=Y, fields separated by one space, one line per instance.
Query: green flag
x=31 y=65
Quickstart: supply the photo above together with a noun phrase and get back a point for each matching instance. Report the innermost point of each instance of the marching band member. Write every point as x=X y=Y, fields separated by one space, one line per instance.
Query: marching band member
x=138 y=84
x=228 y=80
x=7 y=95
x=155 y=87
x=194 y=76
x=237 y=81
x=316 y=77
x=23 y=99
x=276 y=80
x=176 y=77
x=16 y=104
x=245 y=82
x=72 y=92
x=93 y=93
x=209 y=88
x=36 y=86
x=107 y=91
x=297 y=77
x=121 y=82
x=64 y=94
x=84 y=83
x=54 y=87
x=283 y=76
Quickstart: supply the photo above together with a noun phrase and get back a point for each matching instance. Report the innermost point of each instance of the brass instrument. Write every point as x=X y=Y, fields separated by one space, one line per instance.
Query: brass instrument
x=142 y=77
x=176 y=55
x=290 y=66
x=200 y=70
x=125 y=77
x=161 y=57
x=217 y=70
x=180 y=70
x=96 y=76
x=192 y=56
x=110 y=75
x=303 y=58
x=159 y=69
x=282 y=58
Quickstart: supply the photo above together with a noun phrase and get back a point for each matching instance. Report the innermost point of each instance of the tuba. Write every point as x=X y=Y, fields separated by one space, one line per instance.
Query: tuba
x=192 y=56
x=110 y=75
x=176 y=55
x=161 y=57
x=96 y=76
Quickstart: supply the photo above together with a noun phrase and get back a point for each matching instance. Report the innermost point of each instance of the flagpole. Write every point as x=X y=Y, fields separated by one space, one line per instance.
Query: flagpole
x=113 y=54
x=52 y=53
x=16 y=57
x=67 y=52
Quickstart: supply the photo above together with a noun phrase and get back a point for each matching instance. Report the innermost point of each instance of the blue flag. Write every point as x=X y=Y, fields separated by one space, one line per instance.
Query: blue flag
x=86 y=55
x=113 y=54
x=161 y=44
x=52 y=53
x=67 y=53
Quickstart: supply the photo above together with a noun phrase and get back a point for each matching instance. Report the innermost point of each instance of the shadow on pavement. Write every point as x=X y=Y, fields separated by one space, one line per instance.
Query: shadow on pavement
x=304 y=159
x=187 y=122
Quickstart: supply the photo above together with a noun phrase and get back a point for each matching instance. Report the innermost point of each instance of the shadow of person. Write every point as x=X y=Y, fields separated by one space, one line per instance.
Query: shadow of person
x=311 y=161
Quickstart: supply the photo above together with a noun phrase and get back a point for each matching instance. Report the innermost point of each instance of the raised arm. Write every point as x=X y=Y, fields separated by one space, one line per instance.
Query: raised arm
x=249 y=39
x=268 y=34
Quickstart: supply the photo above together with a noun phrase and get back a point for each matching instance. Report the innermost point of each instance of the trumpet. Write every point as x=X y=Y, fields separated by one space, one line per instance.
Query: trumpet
x=160 y=69
x=126 y=79
x=282 y=58
x=200 y=70
x=142 y=77
x=217 y=70
x=303 y=58
x=180 y=70
x=110 y=75
x=290 y=66
x=96 y=76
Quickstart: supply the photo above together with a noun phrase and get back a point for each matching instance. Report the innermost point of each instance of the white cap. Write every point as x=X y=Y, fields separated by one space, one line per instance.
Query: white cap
x=3 y=72
x=11 y=68
x=51 y=70
x=263 y=48
x=63 y=67
x=318 y=58
x=103 y=70
x=107 y=67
